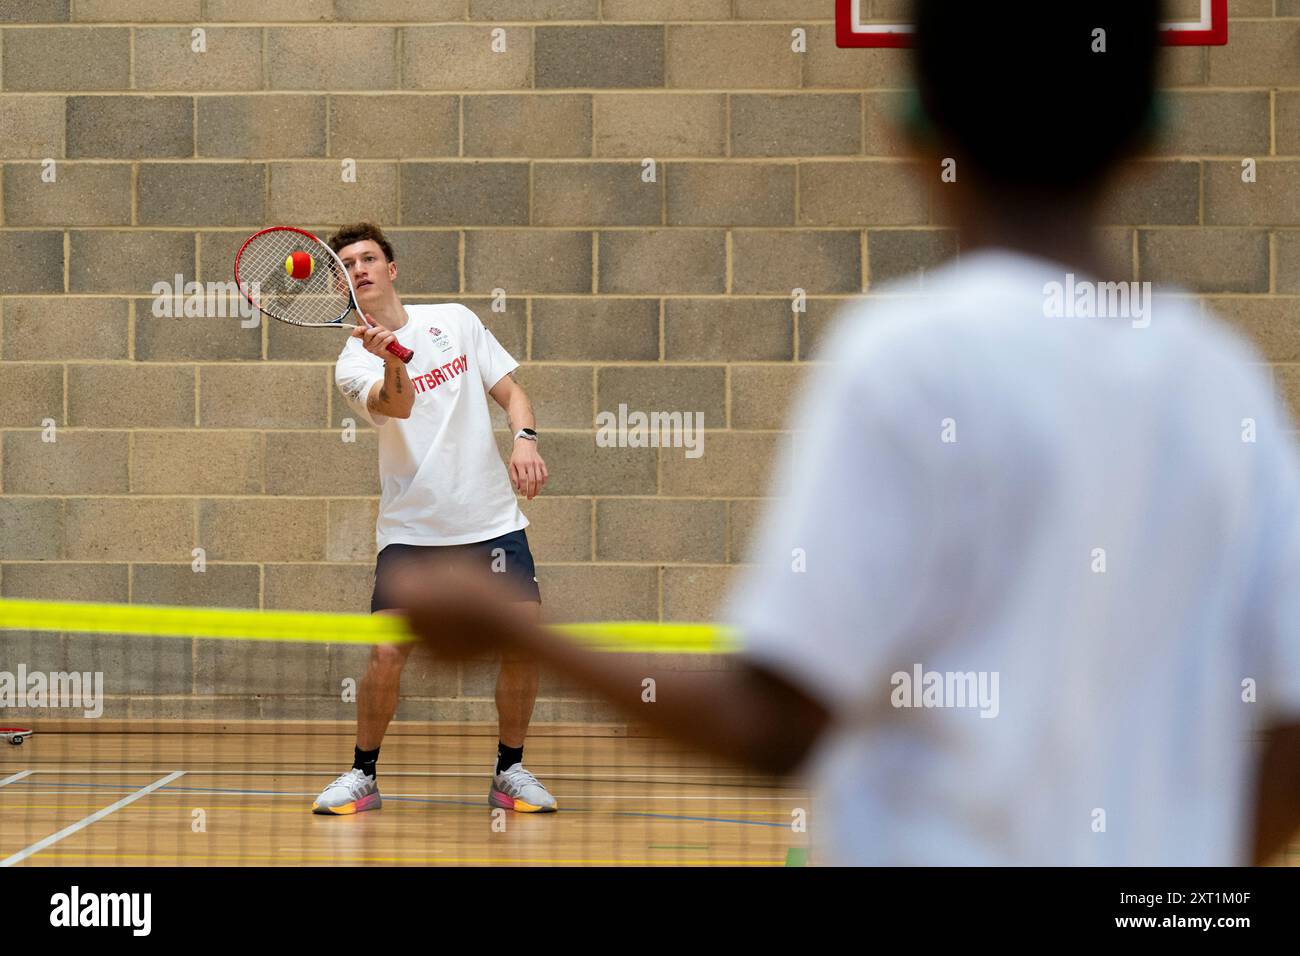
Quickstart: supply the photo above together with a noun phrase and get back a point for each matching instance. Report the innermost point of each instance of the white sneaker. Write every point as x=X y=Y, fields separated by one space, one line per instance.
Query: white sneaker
x=352 y=792
x=516 y=789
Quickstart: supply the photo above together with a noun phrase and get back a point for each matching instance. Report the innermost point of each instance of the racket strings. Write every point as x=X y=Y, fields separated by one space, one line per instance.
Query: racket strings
x=323 y=298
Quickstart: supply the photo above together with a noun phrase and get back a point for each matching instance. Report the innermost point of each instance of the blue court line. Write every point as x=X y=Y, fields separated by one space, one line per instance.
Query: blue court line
x=426 y=800
x=673 y=816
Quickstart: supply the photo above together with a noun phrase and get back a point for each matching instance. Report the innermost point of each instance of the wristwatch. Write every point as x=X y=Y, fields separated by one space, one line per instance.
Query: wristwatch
x=526 y=433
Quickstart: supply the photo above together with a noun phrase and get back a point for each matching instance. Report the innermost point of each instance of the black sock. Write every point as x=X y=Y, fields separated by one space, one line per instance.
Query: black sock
x=507 y=757
x=365 y=761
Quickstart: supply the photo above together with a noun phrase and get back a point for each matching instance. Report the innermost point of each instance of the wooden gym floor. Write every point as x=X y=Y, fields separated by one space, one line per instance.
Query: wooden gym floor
x=177 y=798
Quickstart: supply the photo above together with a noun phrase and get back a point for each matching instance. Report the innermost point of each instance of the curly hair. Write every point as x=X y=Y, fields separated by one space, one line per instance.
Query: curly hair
x=359 y=232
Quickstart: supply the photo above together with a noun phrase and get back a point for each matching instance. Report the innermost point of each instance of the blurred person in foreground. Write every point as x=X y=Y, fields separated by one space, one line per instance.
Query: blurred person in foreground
x=1035 y=584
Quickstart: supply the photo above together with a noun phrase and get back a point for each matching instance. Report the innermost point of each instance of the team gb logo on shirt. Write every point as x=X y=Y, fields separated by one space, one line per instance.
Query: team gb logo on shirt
x=440 y=338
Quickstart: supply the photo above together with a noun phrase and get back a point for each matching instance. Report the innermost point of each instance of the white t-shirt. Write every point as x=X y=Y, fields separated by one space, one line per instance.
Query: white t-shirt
x=1119 y=700
x=442 y=479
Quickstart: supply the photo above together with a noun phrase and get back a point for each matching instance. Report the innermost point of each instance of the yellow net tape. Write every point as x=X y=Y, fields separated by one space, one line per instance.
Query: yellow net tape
x=304 y=626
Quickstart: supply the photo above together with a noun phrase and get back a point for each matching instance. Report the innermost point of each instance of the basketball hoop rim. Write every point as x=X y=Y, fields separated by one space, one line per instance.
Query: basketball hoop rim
x=895 y=35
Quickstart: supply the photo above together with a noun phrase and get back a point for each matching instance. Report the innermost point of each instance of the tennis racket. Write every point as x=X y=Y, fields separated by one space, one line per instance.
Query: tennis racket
x=292 y=276
x=15 y=735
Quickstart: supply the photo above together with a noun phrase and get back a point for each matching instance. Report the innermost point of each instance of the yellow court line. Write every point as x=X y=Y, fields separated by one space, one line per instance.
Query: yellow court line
x=148 y=620
x=541 y=861
x=729 y=780
x=571 y=803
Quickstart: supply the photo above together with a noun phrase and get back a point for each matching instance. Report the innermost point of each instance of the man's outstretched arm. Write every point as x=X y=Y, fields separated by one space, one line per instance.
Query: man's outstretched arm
x=749 y=715
x=1277 y=798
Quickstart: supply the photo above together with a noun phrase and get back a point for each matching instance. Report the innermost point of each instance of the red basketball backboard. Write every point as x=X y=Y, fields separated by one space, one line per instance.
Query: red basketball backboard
x=1196 y=23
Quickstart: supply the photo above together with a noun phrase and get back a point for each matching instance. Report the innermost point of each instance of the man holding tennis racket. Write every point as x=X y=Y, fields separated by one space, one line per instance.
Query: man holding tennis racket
x=445 y=494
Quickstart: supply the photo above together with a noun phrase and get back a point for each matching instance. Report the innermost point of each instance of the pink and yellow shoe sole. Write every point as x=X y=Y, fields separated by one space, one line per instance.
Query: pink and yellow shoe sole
x=498 y=799
x=368 y=802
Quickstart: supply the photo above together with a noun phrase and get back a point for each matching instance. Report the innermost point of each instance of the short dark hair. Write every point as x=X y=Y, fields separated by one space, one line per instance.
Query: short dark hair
x=1016 y=91
x=360 y=232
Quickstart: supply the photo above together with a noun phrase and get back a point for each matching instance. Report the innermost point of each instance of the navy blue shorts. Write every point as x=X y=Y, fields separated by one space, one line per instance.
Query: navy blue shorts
x=507 y=559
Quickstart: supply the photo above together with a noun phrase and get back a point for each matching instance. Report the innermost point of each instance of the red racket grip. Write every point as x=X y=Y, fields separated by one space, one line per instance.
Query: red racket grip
x=396 y=348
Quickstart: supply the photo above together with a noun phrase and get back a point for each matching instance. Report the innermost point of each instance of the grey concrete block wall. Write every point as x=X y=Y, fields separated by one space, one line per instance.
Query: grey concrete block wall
x=627 y=192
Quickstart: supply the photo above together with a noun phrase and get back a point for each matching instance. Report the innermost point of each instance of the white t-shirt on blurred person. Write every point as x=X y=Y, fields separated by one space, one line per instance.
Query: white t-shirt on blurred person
x=1120 y=691
x=441 y=476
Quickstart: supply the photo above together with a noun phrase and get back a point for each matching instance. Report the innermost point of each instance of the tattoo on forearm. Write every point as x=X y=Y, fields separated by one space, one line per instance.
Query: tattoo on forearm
x=391 y=377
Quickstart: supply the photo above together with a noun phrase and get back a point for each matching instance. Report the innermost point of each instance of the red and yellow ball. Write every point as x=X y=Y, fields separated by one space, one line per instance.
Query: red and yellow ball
x=299 y=265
